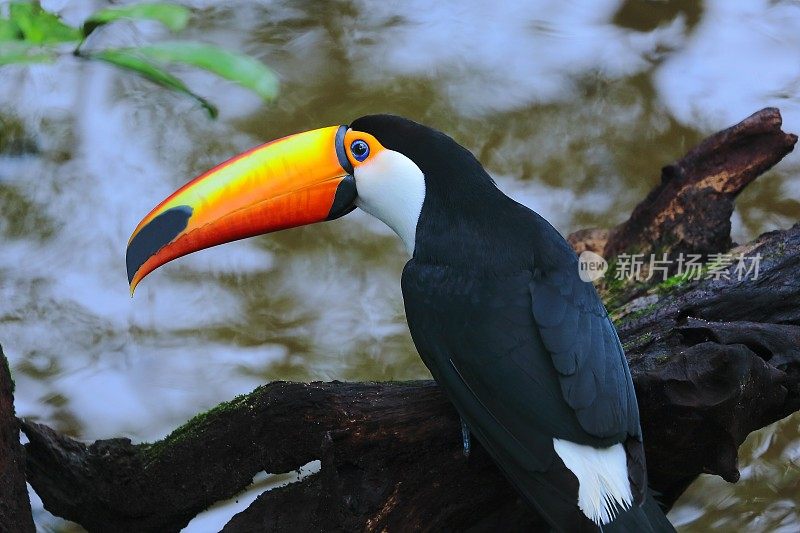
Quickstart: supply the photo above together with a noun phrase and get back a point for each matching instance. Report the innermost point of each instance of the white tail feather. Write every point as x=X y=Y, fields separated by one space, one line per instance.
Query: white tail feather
x=603 y=486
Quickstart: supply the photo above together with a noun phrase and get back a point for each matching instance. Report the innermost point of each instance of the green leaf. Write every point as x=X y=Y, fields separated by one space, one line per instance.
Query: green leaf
x=133 y=60
x=22 y=52
x=238 y=68
x=9 y=31
x=172 y=16
x=39 y=26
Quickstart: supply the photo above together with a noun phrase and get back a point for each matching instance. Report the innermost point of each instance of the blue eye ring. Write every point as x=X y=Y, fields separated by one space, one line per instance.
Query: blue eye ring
x=359 y=149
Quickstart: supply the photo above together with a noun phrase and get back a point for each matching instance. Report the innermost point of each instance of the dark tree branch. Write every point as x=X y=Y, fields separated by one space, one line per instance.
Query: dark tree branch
x=722 y=359
x=15 y=509
x=690 y=210
x=712 y=360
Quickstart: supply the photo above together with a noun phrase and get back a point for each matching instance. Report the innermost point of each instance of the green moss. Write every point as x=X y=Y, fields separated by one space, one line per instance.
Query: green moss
x=613 y=289
x=673 y=282
x=617 y=292
x=639 y=341
x=635 y=314
x=195 y=427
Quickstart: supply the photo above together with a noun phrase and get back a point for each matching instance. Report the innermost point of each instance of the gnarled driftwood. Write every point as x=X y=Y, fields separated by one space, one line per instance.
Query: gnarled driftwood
x=712 y=360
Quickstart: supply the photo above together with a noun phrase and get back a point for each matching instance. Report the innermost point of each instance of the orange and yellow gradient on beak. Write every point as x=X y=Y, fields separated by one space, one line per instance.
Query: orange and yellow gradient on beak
x=297 y=180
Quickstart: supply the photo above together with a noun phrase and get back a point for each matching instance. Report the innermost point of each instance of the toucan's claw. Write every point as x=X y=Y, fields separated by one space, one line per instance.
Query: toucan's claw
x=465 y=438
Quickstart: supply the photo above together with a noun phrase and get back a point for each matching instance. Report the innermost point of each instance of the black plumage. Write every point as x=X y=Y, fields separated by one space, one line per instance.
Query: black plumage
x=524 y=349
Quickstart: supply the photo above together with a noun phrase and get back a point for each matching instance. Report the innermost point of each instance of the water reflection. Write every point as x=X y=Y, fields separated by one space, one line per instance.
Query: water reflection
x=572 y=106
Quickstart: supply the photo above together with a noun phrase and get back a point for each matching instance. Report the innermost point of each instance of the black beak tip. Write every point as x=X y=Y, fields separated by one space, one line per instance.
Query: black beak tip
x=155 y=235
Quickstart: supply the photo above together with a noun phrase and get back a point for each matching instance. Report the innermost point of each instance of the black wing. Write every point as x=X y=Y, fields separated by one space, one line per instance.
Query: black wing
x=586 y=352
x=525 y=358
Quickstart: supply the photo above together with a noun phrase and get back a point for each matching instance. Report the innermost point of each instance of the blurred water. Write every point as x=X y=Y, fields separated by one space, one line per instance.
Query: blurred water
x=572 y=106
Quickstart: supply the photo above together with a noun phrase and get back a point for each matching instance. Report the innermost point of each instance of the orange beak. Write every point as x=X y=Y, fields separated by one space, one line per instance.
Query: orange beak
x=294 y=181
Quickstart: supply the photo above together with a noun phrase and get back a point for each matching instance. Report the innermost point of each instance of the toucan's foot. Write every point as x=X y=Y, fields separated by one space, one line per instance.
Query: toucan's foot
x=465 y=438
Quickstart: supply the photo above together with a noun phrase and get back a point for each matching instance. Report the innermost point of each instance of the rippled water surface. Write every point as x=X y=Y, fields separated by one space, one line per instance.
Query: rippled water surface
x=572 y=106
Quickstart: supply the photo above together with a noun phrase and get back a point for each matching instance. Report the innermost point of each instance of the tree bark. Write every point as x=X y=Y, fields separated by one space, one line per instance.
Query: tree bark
x=689 y=211
x=15 y=508
x=712 y=360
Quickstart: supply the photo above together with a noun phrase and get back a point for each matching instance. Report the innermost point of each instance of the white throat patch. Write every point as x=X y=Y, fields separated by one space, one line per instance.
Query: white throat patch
x=392 y=188
x=603 y=486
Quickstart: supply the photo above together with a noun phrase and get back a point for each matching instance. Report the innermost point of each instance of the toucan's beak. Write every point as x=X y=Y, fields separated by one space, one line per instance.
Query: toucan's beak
x=297 y=180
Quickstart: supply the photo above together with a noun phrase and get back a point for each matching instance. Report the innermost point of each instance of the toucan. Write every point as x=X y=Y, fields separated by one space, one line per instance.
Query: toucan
x=523 y=348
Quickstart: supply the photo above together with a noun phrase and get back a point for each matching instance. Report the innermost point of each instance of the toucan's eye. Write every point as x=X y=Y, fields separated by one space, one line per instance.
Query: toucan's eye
x=359 y=149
